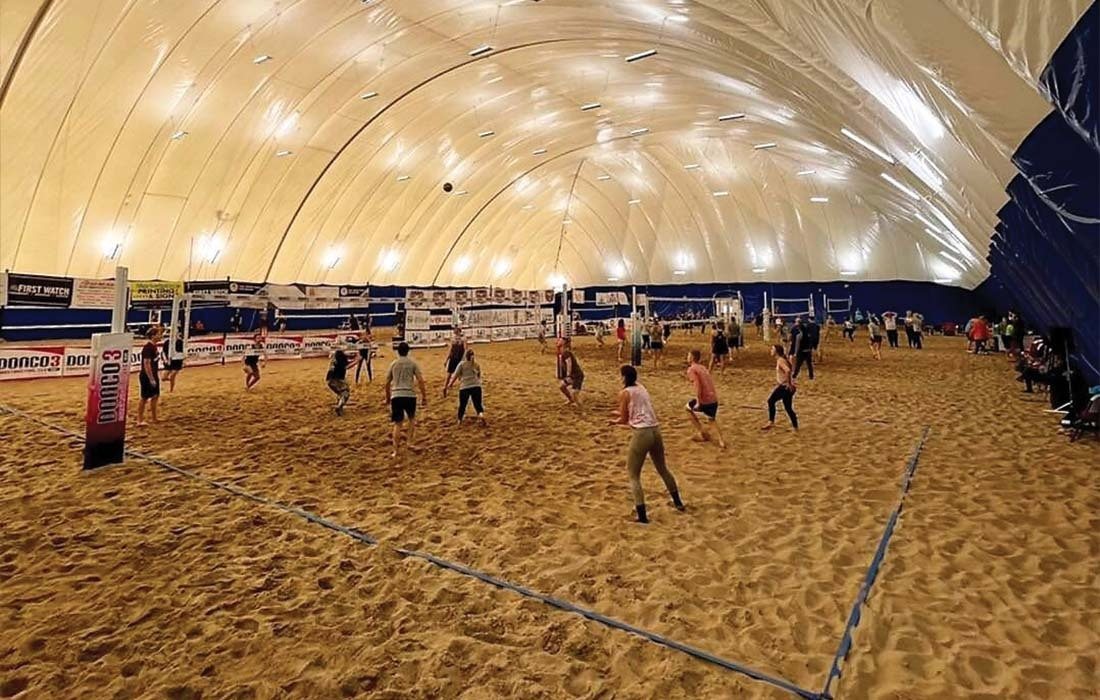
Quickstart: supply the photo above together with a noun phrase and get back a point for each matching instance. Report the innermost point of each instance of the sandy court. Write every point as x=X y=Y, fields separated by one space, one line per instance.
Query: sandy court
x=133 y=581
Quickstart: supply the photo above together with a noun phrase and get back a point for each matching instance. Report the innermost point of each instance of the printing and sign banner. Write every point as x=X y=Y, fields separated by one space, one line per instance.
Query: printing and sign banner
x=37 y=290
x=501 y=296
x=462 y=297
x=31 y=363
x=441 y=298
x=481 y=295
x=578 y=296
x=285 y=296
x=154 y=294
x=283 y=347
x=108 y=391
x=234 y=346
x=93 y=294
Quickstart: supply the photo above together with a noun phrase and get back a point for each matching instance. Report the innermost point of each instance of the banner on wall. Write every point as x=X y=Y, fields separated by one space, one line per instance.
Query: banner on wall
x=285 y=296
x=352 y=296
x=416 y=298
x=37 y=290
x=318 y=345
x=440 y=298
x=283 y=347
x=548 y=296
x=204 y=351
x=154 y=294
x=534 y=297
x=322 y=297
x=519 y=296
x=462 y=297
x=31 y=363
x=578 y=296
x=611 y=299
x=108 y=391
x=481 y=295
x=93 y=294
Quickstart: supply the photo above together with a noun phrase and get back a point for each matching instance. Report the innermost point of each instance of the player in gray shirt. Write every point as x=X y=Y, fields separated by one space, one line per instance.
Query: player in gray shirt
x=401 y=380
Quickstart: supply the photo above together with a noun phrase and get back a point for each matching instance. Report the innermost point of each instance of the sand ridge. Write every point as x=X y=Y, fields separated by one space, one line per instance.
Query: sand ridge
x=761 y=570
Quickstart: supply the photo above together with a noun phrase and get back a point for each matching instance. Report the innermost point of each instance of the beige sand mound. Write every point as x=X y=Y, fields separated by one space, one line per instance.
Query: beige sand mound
x=163 y=585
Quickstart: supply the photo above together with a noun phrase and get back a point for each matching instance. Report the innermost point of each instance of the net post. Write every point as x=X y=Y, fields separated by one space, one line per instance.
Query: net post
x=108 y=385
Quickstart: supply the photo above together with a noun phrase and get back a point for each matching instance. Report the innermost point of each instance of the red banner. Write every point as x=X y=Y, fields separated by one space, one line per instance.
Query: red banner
x=108 y=389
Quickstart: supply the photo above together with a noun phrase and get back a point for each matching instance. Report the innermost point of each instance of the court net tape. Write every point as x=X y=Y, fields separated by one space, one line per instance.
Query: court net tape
x=695 y=652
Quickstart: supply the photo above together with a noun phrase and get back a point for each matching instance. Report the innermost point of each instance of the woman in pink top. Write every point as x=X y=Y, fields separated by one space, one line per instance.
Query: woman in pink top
x=706 y=398
x=636 y=412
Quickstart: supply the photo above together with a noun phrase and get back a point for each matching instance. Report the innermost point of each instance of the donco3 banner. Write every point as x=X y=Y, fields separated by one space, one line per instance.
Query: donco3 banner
x=32 y=362
x=108 y=389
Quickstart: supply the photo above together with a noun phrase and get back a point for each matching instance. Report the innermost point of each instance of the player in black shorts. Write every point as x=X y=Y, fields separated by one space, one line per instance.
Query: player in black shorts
x=402 y=380
x=337 y=377
x=656 y=342
x=455 y=352
x=149 y=375
x=252 y=361
x=175 y=361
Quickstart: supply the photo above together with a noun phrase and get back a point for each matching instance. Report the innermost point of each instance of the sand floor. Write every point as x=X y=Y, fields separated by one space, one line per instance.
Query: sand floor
x=135 y=582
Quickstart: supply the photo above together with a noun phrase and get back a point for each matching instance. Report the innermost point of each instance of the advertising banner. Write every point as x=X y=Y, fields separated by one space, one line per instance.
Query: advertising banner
x=352 y=296
x=204 y=351
x=283 y=347
x=578 y=296
x=611 y=299
x=534 y=297
x=208 y=292
x=318 y=345
x=416 y=298
x=519 y=296
x=500 y=296
x=285 y=296
x=481 y=295
x=37 y=290
x=441 y=298
x=322 y=297
x=154 y=294
x=93 y=294
x=234 y=346
x=78 y=361
x=462 y=297
x=31 y=363
x=548 y=296
x=108 y=387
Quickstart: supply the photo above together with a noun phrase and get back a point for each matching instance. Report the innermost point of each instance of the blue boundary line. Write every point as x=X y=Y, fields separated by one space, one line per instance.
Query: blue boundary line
x=566 y=606
x=872 y=571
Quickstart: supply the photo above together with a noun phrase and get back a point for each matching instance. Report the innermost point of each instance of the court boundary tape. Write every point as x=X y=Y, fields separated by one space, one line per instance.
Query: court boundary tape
x=461 y=569
x=854 y=617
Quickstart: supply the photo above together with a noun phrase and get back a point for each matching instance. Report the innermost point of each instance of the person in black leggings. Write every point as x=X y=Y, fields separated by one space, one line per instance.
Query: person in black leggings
x=468 y=376
x=784 y=389
x=366 y=354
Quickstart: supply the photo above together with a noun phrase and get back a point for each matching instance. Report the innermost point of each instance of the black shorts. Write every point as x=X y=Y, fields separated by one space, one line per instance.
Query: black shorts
x=149 y=390
x=452 y=365
x=576 y=383
x=252 y=361
x=710 y=410
x=656 y=345
x=402 y=406
x=364 y=353
x=175 y=365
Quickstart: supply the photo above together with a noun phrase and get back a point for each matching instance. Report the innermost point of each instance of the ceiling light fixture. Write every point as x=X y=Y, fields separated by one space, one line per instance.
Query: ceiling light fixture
x=868 y=145
x=639 y=132
x=612 y=279
x=640 y=55
x=691 y=166
x=538 y=152
x=402 y=178
x=678 y=18
x=368 y=95
x=634 y=201
x=721 y=193
x=590 y=106
x=848 y=273
x=280 y=154
x=262 y=58
x=679 y=272
x=178 y=135
x=819 y=200
x=527 y=207
x=486 y=134
x=461 y=193
x=731 y=117
x=762 y=146
x=901 y=186
x=758 y=270
x=800 y=173
x=481 y=50
x=603 y=177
